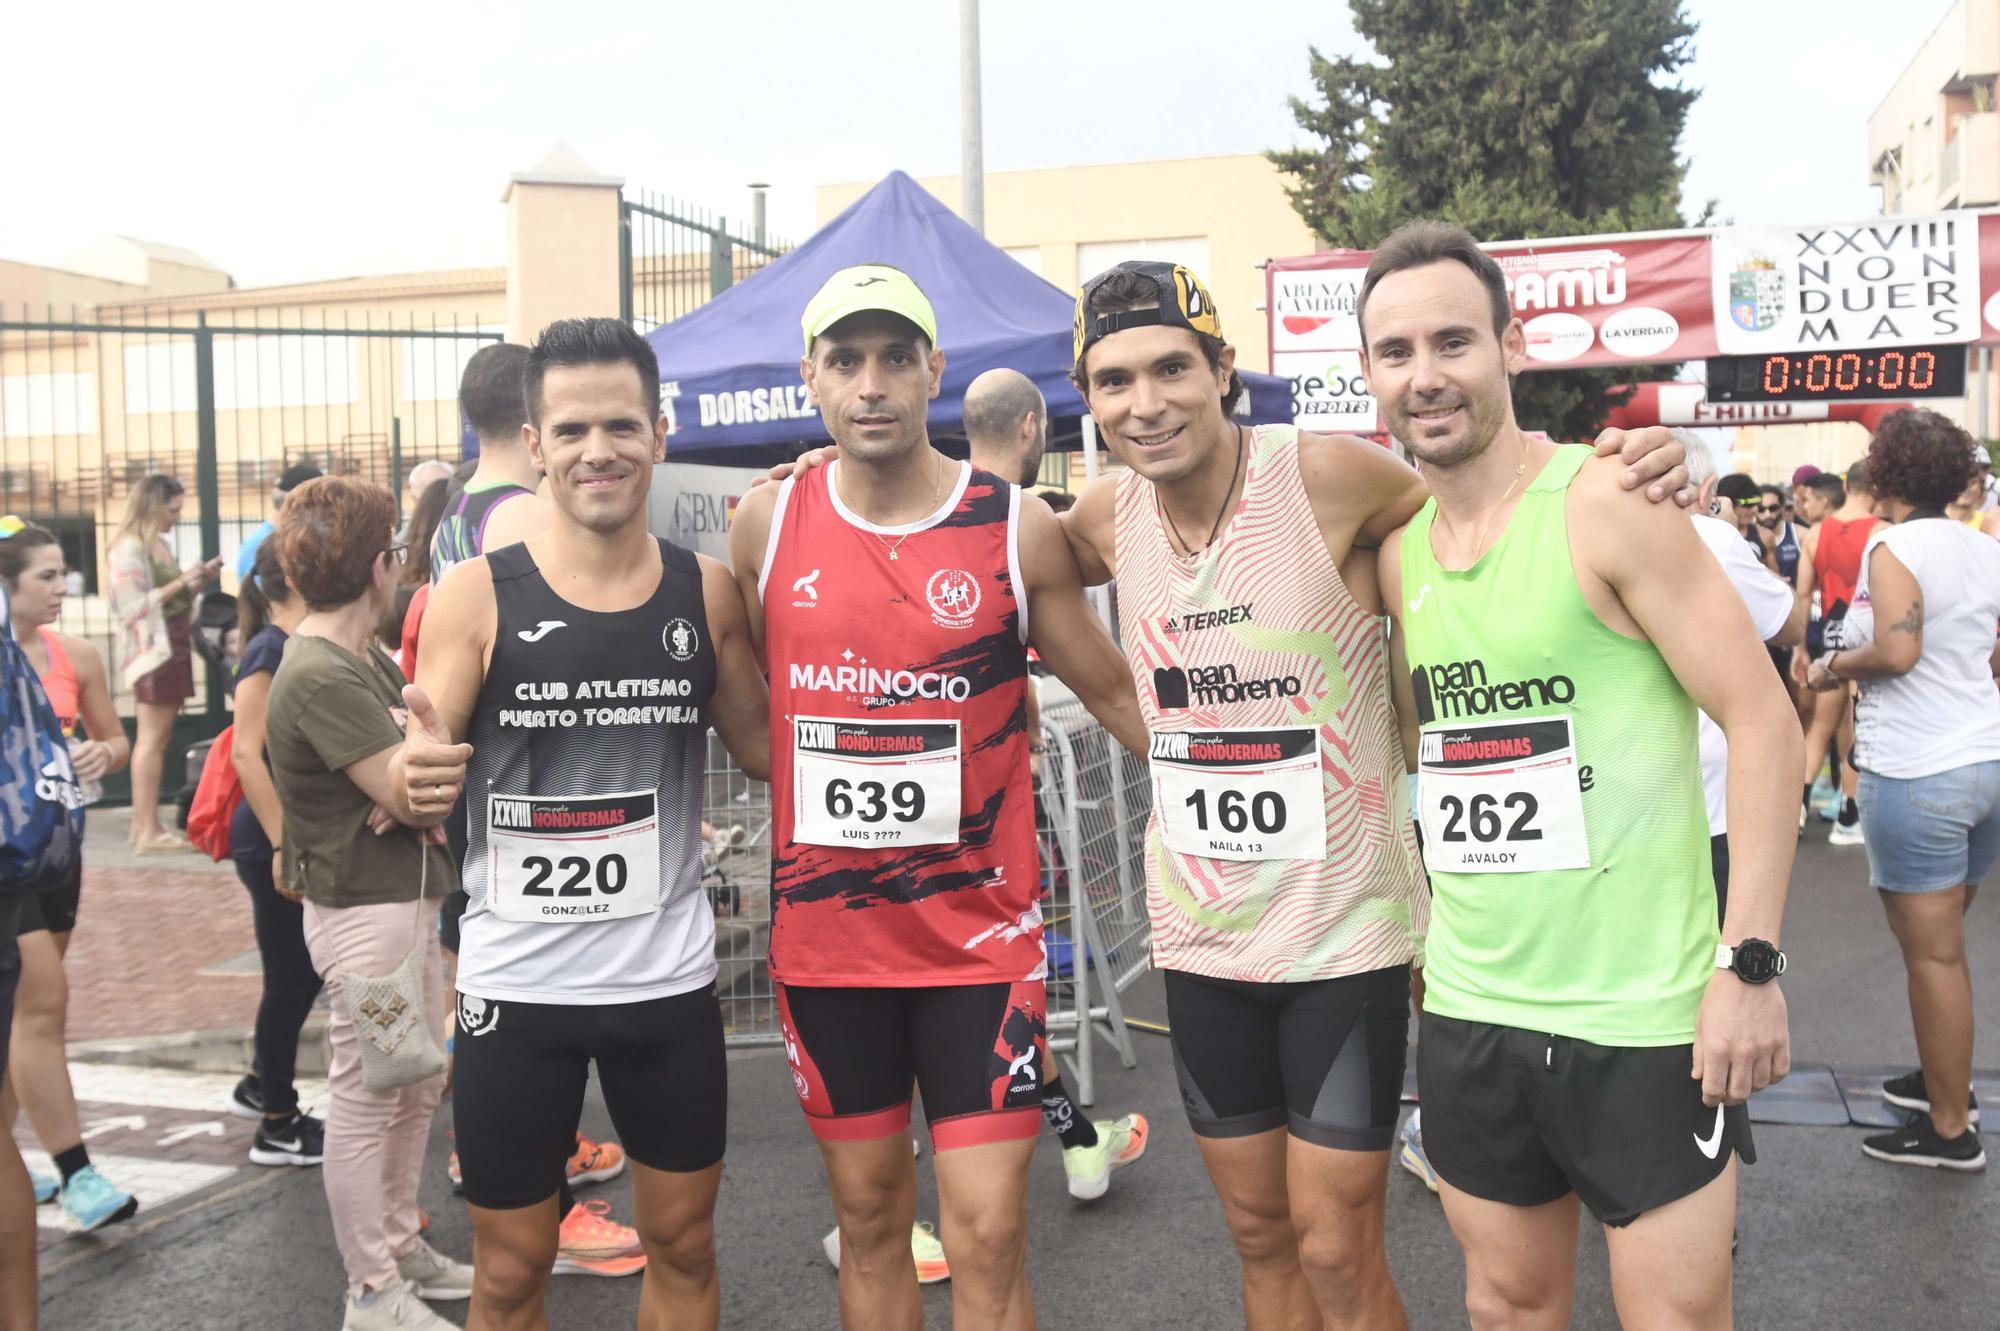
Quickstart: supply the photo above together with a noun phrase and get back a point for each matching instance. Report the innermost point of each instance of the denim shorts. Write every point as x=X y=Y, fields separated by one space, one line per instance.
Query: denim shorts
x=1929 y=833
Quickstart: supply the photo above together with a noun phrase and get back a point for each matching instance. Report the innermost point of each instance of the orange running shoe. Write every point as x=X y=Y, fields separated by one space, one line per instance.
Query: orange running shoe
x=595 y=1162
x=588 y=1233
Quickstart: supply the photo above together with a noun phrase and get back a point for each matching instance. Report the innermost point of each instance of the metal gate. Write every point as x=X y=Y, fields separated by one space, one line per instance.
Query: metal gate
x=92 y=401
x=673 y=257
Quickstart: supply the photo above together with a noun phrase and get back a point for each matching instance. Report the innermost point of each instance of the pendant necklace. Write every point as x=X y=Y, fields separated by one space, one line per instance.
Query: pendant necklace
x=1188 y=552
x=1479 y=533
x=936 y=484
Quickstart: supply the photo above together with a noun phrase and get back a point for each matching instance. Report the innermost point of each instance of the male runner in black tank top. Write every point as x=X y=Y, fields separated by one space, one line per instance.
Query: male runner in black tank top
x=660 y=634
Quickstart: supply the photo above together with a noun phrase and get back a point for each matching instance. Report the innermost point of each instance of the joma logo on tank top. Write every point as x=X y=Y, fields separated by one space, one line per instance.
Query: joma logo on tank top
x=1461 y=688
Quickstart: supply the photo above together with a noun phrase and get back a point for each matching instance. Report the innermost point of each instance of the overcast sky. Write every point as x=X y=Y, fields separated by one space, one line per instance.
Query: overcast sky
x=296 y=142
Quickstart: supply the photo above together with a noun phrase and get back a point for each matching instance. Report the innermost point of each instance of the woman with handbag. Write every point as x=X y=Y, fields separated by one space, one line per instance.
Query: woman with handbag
x=72 y=676
x=152 y=603
x=356 y=845
x=268 y=612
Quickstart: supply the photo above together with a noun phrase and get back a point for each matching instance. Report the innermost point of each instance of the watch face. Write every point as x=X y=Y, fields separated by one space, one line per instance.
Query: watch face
x=1756 y=961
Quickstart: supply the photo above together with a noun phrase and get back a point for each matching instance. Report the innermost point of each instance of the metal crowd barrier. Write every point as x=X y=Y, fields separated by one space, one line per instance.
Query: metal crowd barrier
x=1091 y=810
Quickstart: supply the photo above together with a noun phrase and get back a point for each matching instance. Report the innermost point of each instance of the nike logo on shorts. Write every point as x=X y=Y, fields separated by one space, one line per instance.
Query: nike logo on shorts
x=542 y=629
x=1713 y=1143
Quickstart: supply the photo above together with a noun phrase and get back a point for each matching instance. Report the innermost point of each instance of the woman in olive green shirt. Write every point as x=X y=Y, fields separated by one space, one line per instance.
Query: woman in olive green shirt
x=355 y=846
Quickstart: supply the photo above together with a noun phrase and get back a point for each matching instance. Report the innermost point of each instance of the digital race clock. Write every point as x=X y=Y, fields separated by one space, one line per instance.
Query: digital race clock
x=1839 y=376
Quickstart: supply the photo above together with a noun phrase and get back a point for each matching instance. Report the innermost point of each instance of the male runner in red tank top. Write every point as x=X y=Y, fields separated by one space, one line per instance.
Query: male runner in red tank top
x=893 y=596
x=1837 y=541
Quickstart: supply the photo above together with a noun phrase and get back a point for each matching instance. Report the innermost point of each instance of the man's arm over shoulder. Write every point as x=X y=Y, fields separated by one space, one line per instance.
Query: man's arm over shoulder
x=749 y=534
x=741 y=707
x=1072 y=642
x=457 y=636
x=1360 y=491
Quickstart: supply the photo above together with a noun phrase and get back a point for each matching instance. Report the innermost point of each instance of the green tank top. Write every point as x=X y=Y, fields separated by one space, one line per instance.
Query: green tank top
x=1560 y=792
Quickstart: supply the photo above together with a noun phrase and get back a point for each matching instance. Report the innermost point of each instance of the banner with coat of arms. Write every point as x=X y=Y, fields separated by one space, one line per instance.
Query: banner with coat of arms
x=1665 y=297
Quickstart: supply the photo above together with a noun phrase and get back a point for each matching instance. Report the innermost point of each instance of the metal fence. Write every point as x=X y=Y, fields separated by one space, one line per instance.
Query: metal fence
x=1091 y=810
x=673 y=256
x=92 y=401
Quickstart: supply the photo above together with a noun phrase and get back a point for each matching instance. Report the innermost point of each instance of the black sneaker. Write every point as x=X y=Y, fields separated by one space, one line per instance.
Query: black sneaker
x=247 y=1100
x=299 y=1141
x=1917 y=1143
x=1909 y=1092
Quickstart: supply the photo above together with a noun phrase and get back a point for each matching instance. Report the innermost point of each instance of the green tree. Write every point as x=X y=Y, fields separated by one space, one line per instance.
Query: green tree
x=1515 y=119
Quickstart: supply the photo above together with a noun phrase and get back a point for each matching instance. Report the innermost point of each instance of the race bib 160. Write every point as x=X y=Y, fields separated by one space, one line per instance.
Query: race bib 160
x=1253 y=794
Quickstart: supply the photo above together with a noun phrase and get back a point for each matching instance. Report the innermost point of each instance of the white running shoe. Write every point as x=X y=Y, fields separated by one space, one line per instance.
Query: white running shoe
x=433 y=1275
x=396 y=1308
x=1846 y=834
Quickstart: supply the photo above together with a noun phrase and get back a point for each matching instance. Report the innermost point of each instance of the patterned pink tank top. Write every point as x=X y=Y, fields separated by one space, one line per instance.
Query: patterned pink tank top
x=1257 y=673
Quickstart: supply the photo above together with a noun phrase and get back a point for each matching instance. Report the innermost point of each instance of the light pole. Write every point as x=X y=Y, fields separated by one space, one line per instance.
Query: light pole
x=972 y=156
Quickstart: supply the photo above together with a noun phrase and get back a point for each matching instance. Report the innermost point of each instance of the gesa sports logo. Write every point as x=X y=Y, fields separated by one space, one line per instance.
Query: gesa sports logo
x=860 y=678
x=1460 y=688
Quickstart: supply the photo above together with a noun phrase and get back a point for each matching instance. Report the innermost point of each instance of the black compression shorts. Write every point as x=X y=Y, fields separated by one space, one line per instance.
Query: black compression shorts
x=975 y=1050
x=518 y=1074
x=1524 y=1117
x=1322 y=1057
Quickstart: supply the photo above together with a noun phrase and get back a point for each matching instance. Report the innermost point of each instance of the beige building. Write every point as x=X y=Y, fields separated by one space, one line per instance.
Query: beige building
x=1221 y=216
x=1933 y=145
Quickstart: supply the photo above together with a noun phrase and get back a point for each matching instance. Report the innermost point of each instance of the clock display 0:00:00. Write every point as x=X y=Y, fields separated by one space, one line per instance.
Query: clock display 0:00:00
x=1848 y=371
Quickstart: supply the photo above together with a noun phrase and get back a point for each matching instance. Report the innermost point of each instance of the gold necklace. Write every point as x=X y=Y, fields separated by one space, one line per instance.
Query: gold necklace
x=1479 y=535
x=937 y=483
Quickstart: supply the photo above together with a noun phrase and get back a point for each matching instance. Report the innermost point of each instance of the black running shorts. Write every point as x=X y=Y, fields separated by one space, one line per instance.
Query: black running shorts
x=1321 y=1057
x=1524 y=1118
x=518 y=1072
x=975 y=1050
x=54 y=908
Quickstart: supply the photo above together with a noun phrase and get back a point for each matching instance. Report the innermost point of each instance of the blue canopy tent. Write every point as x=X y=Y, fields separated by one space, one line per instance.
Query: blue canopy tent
x=729 y=370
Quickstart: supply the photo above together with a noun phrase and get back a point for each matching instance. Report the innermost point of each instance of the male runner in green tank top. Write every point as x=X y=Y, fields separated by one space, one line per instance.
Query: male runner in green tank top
x=1583 y=1035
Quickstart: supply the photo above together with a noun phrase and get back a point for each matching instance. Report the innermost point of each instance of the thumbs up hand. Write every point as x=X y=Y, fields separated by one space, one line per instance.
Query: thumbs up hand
x=433 y=767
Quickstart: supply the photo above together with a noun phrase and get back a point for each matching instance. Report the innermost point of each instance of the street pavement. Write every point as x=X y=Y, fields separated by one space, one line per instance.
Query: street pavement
x=1829 y=1238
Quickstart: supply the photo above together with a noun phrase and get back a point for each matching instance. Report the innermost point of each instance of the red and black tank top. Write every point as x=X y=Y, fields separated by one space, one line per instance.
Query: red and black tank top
x=903 y=840
x=1837 y=551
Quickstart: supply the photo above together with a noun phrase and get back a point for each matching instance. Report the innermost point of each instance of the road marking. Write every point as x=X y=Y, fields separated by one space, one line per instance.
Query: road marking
x=181 y=1134
x=99 y=1126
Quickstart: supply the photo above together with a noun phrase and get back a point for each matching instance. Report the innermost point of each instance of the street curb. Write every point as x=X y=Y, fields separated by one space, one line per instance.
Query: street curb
x=228 y=1050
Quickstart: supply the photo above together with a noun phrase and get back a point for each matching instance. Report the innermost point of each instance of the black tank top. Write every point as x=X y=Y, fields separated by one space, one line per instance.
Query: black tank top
x=461 y=532
x=584 y=794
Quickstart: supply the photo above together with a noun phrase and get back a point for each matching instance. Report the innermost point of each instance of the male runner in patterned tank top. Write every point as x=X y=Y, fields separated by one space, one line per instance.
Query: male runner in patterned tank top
x=1286 y=901
x=1552 y=639
x=894 y=595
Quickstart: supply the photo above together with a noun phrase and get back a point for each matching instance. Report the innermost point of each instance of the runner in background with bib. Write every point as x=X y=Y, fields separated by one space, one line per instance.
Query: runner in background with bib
x=894 y=594
x=1552 y=640
x=1287 y=904
x=1838 y=541
x=585 y=666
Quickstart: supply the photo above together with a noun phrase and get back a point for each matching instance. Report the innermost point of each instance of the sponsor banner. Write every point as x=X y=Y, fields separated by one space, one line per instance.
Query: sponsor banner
x=1891 y=281
x=1604 y=301
x=692 y=505
x=1329 y=394
x=1312 y=309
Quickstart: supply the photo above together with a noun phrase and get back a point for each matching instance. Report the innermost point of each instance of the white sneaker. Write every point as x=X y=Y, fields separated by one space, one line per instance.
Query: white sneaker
x=433 y=1275
x=396 y=1308
x=1846 y=834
